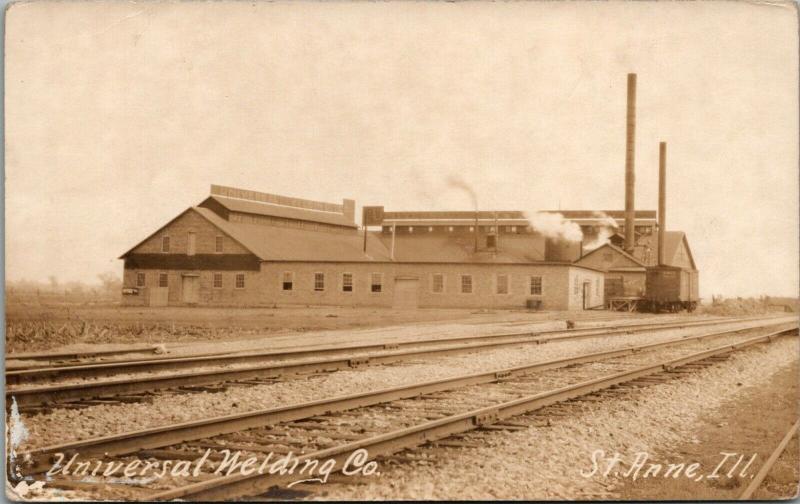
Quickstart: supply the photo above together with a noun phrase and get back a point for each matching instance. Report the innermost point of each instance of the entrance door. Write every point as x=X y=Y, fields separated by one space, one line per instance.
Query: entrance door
x=405 y=293
x=190 y=289
x=159 y=296
x=587 y=292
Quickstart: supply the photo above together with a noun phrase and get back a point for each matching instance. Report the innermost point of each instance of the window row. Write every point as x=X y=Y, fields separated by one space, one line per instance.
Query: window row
x=451 y=229
x=216 y=280
x=347 y=283
x=502 y=284
x=191 y=243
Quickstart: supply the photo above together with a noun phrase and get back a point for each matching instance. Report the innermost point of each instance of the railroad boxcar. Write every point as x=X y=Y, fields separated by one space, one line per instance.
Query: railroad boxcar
x=670 y=289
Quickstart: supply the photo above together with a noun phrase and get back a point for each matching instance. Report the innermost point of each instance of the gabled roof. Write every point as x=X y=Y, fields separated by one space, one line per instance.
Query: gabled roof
x=282 y=211
x=672 y=241
x=190 y=209
x=618 y=251
x=278 y=243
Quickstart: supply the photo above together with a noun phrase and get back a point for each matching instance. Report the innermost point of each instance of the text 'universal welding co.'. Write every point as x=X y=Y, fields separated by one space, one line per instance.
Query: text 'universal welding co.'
x=307 y=470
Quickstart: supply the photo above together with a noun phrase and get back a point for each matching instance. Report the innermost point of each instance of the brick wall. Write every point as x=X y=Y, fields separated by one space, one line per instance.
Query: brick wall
x=178 y=232
x=556 y=293
x=228 y=294
x=303 y=292
x=484 y=285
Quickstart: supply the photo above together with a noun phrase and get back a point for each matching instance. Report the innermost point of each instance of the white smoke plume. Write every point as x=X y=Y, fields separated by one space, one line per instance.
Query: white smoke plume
x=457 y=182
x=554 y=225
x=606 y=228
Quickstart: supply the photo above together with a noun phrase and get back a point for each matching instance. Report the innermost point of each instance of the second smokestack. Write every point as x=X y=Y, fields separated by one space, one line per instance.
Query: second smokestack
x=662 y=199
x=630 y=150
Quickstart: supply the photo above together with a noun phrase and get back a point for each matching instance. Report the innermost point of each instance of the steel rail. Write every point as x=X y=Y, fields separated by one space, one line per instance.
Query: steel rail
x=240 y=485
x=765 y=469
x=17 y=376
x=77 y=354
x=51 y=394
x=148 y=348
x=156 y=437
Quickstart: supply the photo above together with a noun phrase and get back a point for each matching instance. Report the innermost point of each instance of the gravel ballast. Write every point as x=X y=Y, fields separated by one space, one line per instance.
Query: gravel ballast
x=545 y=462
x=72 y=424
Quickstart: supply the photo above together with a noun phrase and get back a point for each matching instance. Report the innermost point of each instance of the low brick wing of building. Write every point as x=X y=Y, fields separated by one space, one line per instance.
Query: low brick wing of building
x=247 y=248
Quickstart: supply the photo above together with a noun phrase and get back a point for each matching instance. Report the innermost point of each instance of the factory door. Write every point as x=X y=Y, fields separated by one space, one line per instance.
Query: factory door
x=405 y=293
x=190 y=288
x=587 y=292
x=159 y=296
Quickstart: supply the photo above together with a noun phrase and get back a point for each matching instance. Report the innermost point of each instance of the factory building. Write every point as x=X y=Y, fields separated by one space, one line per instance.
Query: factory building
x=246 y=248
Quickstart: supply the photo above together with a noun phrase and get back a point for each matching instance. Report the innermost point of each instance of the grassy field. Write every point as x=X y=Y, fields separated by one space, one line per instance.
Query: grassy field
x=39 y=327
x=42 y=323
x=32 y=326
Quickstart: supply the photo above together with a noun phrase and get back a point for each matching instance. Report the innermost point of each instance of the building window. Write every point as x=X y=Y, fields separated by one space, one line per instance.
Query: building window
x=576 y=289
x=536 y=286
x=513 y=229
x=449 y=229
x=163 y=280
x=165 y=244
x=491 y=241
x=597 y=286
x=430 y=229
x=466 y=284
x=219 y=244
x=191 y=243
x=377 y=282
x=437 y=283
x=140 y=280
x=410 y=229
x=239 y=281
x=471 y=229
x=217 y=283
x=502 y=284
x=347 y=282
x=288 y=280
x=319 y=281
x=608 y=257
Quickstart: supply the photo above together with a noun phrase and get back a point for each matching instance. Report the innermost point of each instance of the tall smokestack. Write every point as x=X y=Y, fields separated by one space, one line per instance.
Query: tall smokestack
x=662 y=199
x=630 y=138
x=476 y=230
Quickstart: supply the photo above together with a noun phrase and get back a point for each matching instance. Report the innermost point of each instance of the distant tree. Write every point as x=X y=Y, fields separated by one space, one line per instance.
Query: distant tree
x=53 y=282
x=111 y=283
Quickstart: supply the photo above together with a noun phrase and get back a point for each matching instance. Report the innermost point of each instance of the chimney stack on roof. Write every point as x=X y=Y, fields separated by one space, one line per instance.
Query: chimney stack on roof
x=349 y=209
x=662 y=199
x=630 y=148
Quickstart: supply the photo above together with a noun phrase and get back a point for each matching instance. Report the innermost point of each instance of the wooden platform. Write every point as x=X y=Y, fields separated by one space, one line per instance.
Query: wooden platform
x=623 y=303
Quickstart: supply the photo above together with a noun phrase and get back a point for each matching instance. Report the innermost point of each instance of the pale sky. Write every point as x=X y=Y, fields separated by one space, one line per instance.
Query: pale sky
x=119 y=115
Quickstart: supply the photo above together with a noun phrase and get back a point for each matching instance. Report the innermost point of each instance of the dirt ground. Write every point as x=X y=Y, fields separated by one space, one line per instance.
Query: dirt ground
x=754 y=424
x=35 y=328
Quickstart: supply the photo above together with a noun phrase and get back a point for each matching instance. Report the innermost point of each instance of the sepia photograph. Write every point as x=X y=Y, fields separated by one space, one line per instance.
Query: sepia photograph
x=401 y=250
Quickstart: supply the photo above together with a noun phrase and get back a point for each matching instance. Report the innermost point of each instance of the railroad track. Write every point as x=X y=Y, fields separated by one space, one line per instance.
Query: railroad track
x=74 y=356
x=391 y=420
x=758 y=480
x=131 y=388
x=36 y=370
